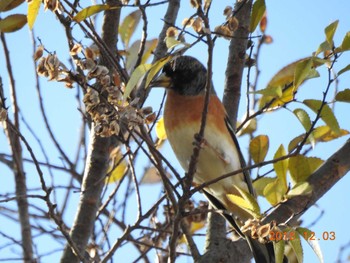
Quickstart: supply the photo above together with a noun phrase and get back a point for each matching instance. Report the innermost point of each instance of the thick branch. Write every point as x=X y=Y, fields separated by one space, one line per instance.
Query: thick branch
x=97 y=160
x=236 y=59
x=19 y=174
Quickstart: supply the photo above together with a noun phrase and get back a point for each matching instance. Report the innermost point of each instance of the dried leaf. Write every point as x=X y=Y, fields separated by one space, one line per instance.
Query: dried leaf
x=6 y=5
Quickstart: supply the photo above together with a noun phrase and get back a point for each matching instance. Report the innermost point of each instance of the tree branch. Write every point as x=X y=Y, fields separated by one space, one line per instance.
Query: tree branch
x=97 y=161
x=236 y=60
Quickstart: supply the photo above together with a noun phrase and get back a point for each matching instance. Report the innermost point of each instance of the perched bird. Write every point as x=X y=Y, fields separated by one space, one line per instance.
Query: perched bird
x=185 y=79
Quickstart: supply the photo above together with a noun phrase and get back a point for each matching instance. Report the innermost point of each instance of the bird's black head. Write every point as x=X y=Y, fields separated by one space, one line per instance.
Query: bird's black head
x=187 y=75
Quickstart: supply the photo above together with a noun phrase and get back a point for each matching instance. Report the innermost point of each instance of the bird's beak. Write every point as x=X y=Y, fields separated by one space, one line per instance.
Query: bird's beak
x=161 y=81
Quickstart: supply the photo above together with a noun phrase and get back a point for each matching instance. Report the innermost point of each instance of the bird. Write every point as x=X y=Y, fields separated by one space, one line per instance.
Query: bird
x=184 y=78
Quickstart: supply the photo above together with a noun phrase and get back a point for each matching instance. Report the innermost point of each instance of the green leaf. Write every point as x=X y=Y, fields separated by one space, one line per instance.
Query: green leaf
x=258 y=148
x=6 y=5
x=295 y=243
x=281 y=168
x=343 y=95
x=172 y=42
x=128 y=26
x=302 y=71
x=274 y=192
x=303 y=117
x=305 y=120
x=313 y=242
x=135 y=77
x=330 y=30
x=345 y=45
x=274 y=91
x=132 y=53
x=89 y=11
x=301 y=167
x=33 y=11
x=12 y=23
x=303 y=188
x=156 y=67
x=324 y=46
x=258 y=11
x=278 y=248
x=260 y=184
x=326 y=115
x=343 y=70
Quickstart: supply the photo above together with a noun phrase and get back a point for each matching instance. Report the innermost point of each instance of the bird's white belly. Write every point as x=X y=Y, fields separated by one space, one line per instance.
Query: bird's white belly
x=218 y=156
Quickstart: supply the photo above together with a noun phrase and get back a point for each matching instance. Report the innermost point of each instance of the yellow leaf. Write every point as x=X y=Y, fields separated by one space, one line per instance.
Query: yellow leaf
x=128 y=26
x=320 y=134
x=160 y=130
x=281 y=168
x=33 y=11
x=117 y=167
x=135 y=77
x=326 y=115
x=274 y=192
x=301 y=167
x=6 y=5
x=343 y=70
x=194 y=227
x=258 y=148
x=245 y=201
x=89 y=11
x=330 y=30
x=303 y=188
x=156 y=67
x=260 y=184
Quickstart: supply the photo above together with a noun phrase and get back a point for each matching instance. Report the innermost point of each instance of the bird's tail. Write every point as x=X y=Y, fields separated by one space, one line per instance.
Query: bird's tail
x=263 y=253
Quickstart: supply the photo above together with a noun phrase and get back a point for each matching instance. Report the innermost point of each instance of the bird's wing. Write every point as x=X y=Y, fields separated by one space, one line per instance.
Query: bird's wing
x=246 y=174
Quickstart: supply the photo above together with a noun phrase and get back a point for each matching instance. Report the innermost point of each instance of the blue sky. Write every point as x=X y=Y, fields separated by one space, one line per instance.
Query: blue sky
x=296 y=28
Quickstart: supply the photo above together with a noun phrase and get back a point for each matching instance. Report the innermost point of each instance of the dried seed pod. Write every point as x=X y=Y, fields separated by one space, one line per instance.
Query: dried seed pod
x=228 y=11
x=187 y=22
x=232 y=23
x=171 y=32
x=3 y=114
x=39 y=52
x=40 y=69
x=76 y=49
x=197 y=25
x=105 y=80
